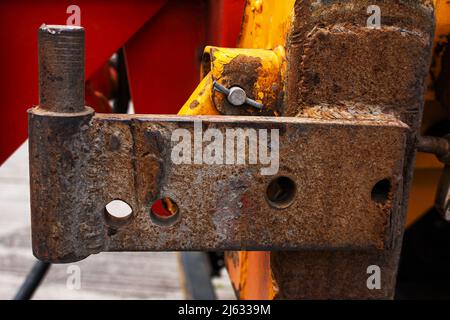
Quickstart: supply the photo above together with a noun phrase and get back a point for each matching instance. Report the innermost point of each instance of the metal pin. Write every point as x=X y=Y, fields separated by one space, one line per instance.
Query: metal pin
x=236 y=96
x=441 y=148
x=61 y=68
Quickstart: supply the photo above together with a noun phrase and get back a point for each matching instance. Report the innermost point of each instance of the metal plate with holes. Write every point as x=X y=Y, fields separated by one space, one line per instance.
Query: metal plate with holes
x=336 y=186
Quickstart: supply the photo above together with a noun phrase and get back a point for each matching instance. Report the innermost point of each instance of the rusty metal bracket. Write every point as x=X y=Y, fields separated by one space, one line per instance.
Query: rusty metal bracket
x=79 y=163
x=336 y=185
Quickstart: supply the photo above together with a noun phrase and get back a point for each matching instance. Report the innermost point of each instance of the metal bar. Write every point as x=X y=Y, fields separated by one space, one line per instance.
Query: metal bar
x=436 y=145
x=196 y=271
x=441 y=148
x=32 y=281
x=80 y=163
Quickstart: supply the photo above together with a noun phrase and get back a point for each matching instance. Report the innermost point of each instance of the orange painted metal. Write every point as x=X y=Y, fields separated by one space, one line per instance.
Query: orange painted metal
x=249 y=272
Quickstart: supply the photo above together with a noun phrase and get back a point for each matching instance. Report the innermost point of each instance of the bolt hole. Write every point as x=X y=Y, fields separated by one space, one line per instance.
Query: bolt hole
x=118 y=212
x=280 y=192
x=164 y=212
x=381 y=190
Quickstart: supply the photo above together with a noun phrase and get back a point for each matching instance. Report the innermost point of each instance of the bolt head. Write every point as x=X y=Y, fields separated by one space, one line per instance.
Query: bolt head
x=237 y=96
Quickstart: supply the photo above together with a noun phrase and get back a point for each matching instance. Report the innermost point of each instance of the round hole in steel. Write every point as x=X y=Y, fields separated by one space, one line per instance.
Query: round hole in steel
x=164 y=212
x=280 y=192
x=118 y=212
x=381 y=190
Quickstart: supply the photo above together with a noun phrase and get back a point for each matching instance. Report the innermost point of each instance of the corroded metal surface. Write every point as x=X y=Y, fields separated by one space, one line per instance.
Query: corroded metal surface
x=337 y=61
x=81 y=163
x=338 y=68
x=357 y=94
x=61 y=68
x=258 y=72
x=438 y=146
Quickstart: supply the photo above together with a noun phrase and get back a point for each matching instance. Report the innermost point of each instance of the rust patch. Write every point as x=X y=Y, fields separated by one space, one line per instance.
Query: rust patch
x=193 y=104
x=242 y=71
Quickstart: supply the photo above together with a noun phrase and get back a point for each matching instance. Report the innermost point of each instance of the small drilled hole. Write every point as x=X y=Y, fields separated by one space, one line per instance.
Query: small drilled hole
x=164 y=212
x=280 y=192
x=381 y=190
x=118 y=212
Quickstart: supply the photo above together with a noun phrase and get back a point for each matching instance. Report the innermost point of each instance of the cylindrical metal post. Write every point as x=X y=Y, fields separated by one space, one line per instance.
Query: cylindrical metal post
x=61 y=68
x=59 y=143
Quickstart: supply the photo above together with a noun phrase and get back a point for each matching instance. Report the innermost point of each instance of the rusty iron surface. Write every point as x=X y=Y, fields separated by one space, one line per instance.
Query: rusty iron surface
x=338 y=68
x=438 y=146
x=357 y=95
x=61 y=68
x=80 y=163
x=335 y=60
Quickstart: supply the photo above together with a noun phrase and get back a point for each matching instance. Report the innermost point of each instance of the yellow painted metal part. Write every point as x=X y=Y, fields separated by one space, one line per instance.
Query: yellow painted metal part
x=200 y=102
x=224 y=63
x=271 y=60
x=266 y=23
x=265 y=26
x=250 y=274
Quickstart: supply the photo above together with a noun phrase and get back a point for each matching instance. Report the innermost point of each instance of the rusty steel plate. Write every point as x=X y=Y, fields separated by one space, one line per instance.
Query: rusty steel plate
x=337 y=185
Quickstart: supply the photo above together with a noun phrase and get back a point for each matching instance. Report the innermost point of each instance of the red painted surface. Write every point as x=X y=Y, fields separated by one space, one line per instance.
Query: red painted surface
x=225 y=20
x=163 y=58
x=108 y=24
x=164 y=42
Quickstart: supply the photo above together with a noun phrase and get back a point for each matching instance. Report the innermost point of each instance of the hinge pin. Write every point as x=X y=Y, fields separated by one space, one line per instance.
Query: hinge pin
x=236 y=96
